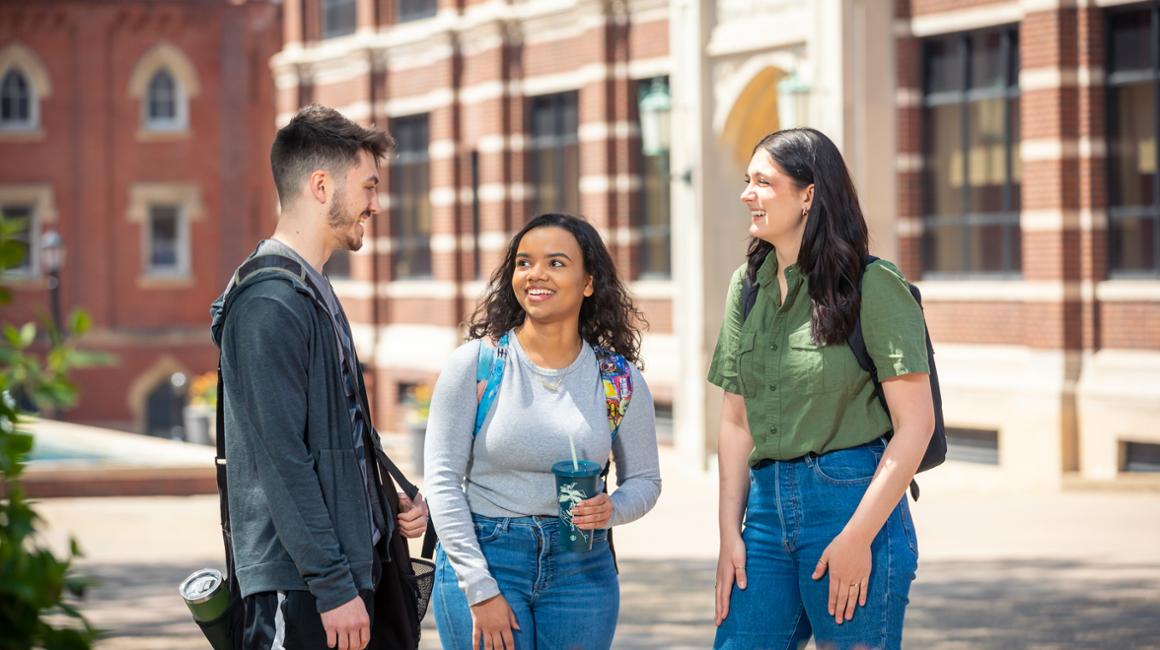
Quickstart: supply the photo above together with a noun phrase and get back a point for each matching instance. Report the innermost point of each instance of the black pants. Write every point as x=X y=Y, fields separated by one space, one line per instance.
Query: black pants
x=289 y=620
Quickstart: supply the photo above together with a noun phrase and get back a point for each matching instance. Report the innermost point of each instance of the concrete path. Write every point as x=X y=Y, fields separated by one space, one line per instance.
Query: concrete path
x=999 y=569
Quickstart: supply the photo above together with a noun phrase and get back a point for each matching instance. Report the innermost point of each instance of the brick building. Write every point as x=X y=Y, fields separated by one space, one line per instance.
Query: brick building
x=1005 y=153
x=138 y=130
x=1029 y=206
x=501 y=111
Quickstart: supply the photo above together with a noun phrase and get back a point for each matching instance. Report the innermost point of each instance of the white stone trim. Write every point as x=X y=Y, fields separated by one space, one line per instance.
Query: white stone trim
x=1128 y=291
x=442 y=197
x=425 y=289
x=908 y=162
x=998 y=290
x=961 y=20
x=653 y=289
x=170 y=57
x=599 y=183
x=909 y=226
x=415 y=347
x=1043 y=149
x=486 y=91
x=598 y=131
x=648 y=68
x=442 y=149
x=40 y=197
x=444 y=243
x=499 y=143
x=25 y=61
x=355 y=289
x=493 y=240
x=908 y=97
x=415 y=104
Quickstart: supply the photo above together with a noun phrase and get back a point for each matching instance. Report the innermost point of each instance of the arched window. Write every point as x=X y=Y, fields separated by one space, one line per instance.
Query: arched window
x=163 y=101
x=17 y=101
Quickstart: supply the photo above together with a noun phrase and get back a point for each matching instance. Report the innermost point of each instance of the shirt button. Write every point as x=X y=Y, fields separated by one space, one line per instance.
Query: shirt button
x=773 y=429
x=773 y=346
x=772 y=387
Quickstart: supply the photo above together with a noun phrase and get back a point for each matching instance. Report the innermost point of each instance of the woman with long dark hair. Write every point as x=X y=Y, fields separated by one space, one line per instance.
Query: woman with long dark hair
x=816 y=534
x=551 y=362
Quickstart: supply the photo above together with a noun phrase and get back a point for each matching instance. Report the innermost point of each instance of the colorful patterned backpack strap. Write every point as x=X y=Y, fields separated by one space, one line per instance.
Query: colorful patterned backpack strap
x=616 y=375
x=488 y=378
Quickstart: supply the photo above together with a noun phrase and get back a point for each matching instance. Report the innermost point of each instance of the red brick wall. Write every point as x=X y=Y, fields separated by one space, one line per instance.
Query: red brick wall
x=1070 y=43
x=91 y=155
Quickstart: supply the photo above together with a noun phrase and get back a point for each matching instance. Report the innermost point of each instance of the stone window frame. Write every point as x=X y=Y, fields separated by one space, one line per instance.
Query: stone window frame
x=18 y=57
x=969 y=219
x=187 y=198
x=168 y=58
x=40 y=197
x=1118 y=79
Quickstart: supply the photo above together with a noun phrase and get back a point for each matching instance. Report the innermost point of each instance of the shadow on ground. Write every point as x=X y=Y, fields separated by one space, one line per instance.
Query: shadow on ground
x=668 y=604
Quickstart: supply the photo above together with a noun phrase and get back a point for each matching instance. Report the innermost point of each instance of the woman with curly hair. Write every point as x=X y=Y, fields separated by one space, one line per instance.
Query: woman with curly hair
x=816 y=535
x=555 y=312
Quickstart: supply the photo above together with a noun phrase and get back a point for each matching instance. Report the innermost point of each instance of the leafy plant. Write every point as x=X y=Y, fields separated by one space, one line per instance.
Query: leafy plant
x=37 y=589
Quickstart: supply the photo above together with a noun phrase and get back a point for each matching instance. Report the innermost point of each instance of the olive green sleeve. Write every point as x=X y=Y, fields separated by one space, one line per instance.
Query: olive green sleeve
x=723 y=368
x=892 y=323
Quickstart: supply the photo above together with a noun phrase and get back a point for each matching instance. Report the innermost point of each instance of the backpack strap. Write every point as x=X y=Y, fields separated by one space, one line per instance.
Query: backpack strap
x=616 y=375
x=748 y=296
x=489 y=369
x=858 y=344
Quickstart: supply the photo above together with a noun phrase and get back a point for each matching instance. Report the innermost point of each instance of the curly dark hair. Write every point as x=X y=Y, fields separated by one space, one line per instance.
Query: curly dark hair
x=835 y=242
x=608 y=318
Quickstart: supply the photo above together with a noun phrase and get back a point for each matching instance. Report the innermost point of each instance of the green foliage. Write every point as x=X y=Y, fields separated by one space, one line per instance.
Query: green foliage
x=37 y=589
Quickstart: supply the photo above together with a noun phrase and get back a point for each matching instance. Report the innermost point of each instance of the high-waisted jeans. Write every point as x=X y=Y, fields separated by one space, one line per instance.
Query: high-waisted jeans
x=562 y=600
x=795 y=509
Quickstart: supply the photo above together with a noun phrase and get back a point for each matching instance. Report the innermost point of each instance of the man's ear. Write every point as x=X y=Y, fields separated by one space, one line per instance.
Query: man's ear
x=321 y=185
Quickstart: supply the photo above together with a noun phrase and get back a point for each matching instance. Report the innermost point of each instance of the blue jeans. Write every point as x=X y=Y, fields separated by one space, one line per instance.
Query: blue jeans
x=562 y=600
x=795 y=509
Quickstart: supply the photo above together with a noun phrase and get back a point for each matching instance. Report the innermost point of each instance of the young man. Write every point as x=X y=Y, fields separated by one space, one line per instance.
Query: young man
x=310 y=517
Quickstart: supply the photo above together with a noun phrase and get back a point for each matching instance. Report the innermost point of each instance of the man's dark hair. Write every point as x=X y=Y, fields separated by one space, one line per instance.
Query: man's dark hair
x=321 y=138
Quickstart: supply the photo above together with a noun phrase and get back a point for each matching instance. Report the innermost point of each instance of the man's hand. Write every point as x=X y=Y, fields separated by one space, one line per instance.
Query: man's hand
x=348 y=627
x=412 y=517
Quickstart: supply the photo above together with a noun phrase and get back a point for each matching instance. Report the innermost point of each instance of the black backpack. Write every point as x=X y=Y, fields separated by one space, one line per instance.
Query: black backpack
x=936 y=450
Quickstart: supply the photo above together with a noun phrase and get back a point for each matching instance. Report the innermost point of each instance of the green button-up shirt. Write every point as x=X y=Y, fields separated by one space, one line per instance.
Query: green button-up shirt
x=803 y=397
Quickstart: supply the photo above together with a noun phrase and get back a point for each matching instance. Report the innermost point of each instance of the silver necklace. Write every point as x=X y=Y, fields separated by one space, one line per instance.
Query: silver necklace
x=554 y=386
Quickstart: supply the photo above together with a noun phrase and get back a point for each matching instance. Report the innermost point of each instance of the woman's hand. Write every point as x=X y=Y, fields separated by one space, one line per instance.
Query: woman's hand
x=492 y=622
x=848 y=561
x=730 y=567
x=593 y=514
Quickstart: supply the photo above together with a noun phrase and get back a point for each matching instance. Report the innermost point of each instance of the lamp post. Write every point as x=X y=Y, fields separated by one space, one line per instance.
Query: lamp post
x=793 y=101
x=656 y=110
x=52 y=254
x=656 y=118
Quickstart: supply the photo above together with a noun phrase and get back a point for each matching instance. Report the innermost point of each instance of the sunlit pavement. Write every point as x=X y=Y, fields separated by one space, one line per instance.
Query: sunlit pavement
x=999 y=569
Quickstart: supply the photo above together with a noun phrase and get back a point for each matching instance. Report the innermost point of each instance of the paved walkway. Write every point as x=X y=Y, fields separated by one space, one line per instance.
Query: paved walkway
x=999 y=570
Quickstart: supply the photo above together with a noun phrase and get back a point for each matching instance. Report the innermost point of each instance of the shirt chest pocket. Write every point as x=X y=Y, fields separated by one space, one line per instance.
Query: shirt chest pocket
x=748 y=368
x=811 y=368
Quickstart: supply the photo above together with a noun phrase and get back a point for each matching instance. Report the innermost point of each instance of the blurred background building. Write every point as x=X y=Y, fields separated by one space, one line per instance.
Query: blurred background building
x=1005 y=154
x=136 y=134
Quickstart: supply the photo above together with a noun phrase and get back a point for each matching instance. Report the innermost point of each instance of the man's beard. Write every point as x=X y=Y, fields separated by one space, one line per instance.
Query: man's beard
x=341 y=224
